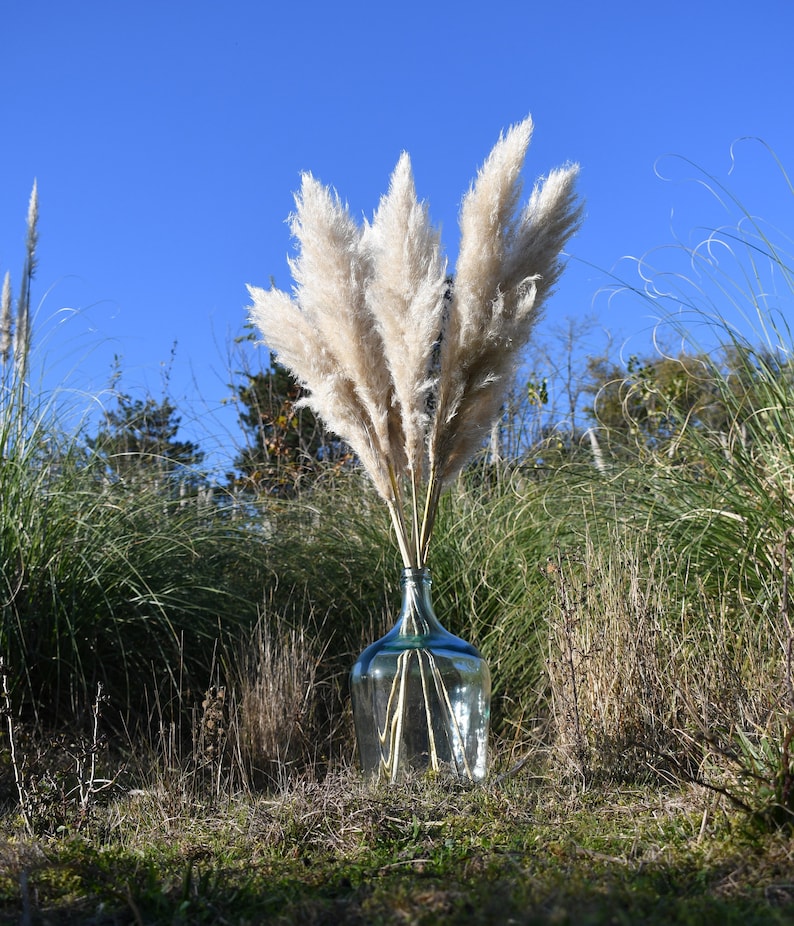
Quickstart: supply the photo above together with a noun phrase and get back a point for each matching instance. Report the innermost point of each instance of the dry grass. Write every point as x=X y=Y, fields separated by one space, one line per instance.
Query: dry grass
x=291 y=717
x=648 y=677
x=242 y=818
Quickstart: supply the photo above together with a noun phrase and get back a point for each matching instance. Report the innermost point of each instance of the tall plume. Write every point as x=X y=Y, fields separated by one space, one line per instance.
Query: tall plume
x=406 y=295
x=398 y=362
x=6 y=324
x=506 y=269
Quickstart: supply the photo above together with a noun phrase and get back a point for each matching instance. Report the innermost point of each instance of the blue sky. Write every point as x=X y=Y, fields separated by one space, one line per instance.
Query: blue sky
x=167 y=139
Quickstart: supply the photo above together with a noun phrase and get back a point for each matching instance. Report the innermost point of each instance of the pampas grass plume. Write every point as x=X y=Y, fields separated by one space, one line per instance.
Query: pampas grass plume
x=6 y=332
x=406 y=298
x=409 y=368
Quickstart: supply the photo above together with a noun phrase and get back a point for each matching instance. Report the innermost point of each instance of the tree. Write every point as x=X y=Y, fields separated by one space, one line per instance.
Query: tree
x=137 y=443
x=650 y=402
x=286 y=444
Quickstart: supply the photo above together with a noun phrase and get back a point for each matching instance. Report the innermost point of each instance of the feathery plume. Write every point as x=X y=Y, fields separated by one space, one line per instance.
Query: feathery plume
x=399 y=362
x=332 y=394
x=331 y=273
x=22 y=333
x=6 y=332
x=487 y=220
x=550 y=217
x=405 y=296
x=506 y=270
x=32 y=236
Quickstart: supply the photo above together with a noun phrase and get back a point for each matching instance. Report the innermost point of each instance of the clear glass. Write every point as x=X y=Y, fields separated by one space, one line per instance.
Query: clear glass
x=421 y=696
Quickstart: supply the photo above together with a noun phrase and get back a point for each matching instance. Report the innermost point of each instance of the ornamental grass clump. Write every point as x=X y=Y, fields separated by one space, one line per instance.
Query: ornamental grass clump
x=407 y=364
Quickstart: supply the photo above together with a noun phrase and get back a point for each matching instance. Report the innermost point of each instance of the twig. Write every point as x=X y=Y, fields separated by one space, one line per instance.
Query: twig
x=513 y=770
x=87 y=784
x=23 y=799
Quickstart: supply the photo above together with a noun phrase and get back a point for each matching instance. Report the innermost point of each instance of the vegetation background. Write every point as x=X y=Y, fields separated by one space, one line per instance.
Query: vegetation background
x=177 y=743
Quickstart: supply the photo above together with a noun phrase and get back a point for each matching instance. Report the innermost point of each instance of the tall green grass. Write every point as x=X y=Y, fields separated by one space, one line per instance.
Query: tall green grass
x=104 y=584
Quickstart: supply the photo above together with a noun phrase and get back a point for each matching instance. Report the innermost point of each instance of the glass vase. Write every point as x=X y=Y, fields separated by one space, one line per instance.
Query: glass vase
x=421 y=696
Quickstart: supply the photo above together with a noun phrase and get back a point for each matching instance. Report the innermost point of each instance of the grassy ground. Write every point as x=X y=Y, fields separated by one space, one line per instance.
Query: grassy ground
x=520 y=850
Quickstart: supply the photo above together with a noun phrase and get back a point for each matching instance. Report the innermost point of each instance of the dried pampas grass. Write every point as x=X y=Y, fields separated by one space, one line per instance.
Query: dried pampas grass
x=406 y=365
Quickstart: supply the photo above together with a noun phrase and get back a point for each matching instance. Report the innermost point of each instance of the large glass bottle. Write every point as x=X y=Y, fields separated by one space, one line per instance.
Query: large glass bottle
x=421 y=696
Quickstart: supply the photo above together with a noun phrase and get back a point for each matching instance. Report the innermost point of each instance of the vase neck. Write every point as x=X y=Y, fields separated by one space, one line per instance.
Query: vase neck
x=416 y=615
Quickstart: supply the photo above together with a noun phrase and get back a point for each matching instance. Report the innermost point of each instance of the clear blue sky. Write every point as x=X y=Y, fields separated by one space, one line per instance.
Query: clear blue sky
x=167 y=139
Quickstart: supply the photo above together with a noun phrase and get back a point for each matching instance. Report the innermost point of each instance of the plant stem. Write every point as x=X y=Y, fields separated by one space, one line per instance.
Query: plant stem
x=390 y=723
x=23 y=799
x=431 y=736
x=429 y=515
x=394 y=756
x=391 y=737
x=415 y=478
x=443 y=696
x=398 y=519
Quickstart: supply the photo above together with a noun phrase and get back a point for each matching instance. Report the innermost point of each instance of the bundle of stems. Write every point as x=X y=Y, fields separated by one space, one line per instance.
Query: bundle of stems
x=408 y=365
